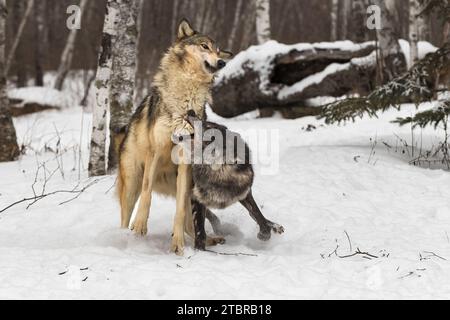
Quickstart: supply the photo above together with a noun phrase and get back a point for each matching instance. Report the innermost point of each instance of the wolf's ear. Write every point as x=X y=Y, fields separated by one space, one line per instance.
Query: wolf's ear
x=185 y=30
x=226 y=55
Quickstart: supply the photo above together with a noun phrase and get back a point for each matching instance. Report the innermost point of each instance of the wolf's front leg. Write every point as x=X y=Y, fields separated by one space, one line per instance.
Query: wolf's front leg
x=183 y=198
x=139 y=225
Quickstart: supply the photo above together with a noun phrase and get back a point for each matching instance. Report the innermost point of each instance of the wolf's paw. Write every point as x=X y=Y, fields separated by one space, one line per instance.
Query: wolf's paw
x=177 y=245
x=214 y=241
x=276 y=228
x=139 y=227
x=264 y=235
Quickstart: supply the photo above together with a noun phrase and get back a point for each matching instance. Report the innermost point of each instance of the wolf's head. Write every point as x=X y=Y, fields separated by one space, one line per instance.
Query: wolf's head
x=199 y=53
x=217 y=144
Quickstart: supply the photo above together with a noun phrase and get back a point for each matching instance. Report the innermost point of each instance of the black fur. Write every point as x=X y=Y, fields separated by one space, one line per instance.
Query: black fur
x=222 y=186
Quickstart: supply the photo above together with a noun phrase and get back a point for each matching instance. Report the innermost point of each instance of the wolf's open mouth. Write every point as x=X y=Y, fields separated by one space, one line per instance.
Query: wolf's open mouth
x=210 y=68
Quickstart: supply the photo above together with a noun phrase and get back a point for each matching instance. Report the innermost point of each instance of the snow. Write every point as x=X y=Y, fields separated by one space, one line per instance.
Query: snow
x=40 y=95
x=330 y=184
x=311 y=80
x=424 y=48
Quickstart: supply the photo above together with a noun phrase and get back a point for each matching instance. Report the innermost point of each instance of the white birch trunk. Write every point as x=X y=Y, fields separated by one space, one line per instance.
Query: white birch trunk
x=123 y=78
x=9 y=149
x=392 y=62
x=19 y=34
x=334 y=19
x=67 y=55
x=263 y=31
x=97 y=161
x=413 y=31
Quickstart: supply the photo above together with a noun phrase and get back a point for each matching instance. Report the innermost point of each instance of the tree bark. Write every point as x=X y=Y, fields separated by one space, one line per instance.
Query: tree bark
x=235 y=26
x=346 y=9
x=413 y=31
x=123 y=78
x=358 y=27
x=41 y=41
x=392 y=62
x=334 y=19
x=97 y=161
x=67 y=55
x=9 y=150
x=19 y=34
x=263 y=31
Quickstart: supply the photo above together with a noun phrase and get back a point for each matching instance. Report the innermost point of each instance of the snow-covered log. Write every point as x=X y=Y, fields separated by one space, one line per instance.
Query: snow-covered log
x=275 y=75
x=281 y=77
x=23 y=101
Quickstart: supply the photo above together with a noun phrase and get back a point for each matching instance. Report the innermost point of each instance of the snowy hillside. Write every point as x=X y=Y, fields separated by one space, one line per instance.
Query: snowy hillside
x=360 y=221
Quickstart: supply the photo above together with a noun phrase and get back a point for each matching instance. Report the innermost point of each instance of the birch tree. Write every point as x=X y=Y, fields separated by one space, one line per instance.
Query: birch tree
x=97 y=160
x=19 y=34
x=9 y=150
x=123 y=78
x=419 y=28
x=67 y=55
x=334 y=19
x=392 y=61
x=263 y=31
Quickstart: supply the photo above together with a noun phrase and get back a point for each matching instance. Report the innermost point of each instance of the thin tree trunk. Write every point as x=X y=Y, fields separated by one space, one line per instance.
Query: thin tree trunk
x=97 y=161
x=392 y=61
x=87 y=89
x=248 y=35
x=123 y=78
x=359 y=32
x=263 y=31
x=176 y=5
x=9 y=150
x=19 y=34
x=334 y=19
x=413 y=31
x=67 y=55
x=446 y=34
x=235 y=26
x=346 y=9
x=40 y=10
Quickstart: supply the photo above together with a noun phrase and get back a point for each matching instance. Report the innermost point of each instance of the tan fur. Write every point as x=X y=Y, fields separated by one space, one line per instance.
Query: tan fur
x=183 y=84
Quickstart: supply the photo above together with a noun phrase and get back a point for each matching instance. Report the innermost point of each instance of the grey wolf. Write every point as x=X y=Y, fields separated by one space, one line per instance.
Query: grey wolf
x=182 y=83
x=219 y=182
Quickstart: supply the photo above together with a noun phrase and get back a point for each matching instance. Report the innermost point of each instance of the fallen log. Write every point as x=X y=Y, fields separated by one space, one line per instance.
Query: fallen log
x=23 y=101
x=285 y=77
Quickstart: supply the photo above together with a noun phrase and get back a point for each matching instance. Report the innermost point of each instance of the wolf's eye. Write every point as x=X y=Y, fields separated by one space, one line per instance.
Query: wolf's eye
x=205 y=46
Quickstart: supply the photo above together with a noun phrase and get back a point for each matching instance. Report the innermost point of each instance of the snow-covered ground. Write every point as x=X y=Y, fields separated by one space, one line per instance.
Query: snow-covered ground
x=339 y=189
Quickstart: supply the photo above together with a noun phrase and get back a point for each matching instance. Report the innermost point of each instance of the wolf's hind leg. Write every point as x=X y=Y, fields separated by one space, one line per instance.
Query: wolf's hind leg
x=129 y=185
x=139 y=225
x=199 y=215
x=195 y=226
x=266 y=226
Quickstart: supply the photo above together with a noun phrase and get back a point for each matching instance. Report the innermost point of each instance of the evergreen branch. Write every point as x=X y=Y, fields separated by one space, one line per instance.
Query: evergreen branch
x=433 y=117
x=416 y=85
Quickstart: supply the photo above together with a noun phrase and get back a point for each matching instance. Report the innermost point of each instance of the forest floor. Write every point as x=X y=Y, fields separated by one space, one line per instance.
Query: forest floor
x=360 y=220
